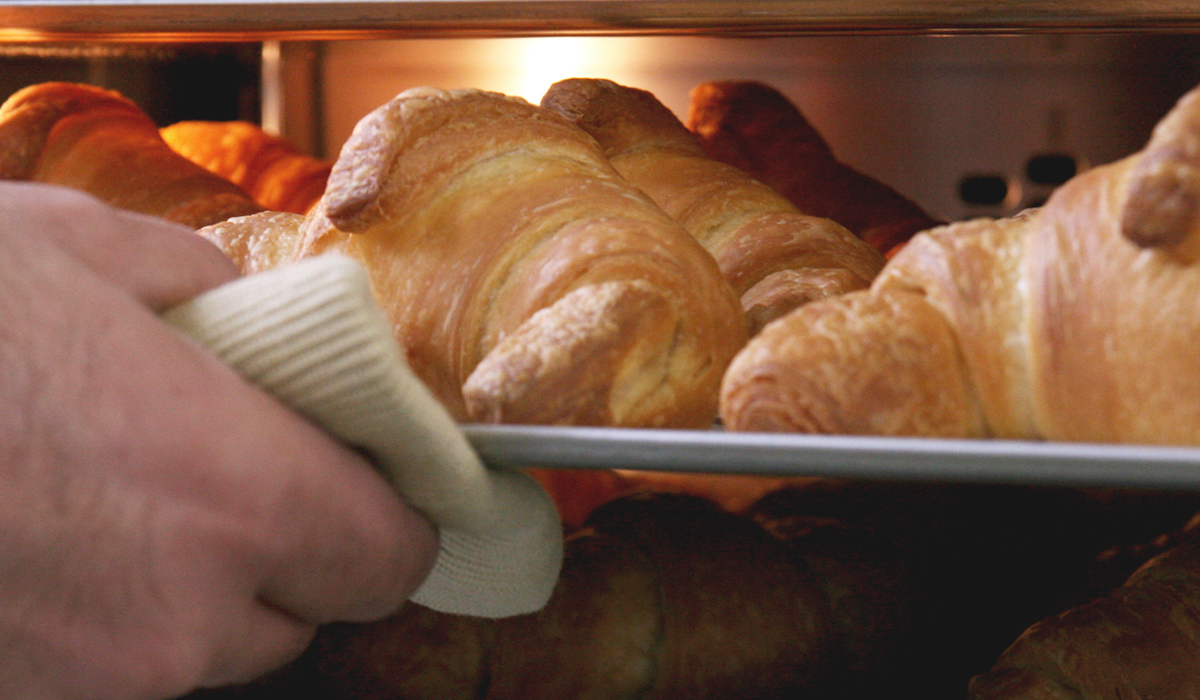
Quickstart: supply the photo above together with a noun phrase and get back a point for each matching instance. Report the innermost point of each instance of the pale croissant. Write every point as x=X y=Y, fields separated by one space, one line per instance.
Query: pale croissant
x=1077 y=321
x=775 y=257
x=98 y=141
x=527 y=281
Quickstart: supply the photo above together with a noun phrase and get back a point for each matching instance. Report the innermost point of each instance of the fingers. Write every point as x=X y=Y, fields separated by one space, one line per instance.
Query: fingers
x=345 y=547
x=265 y=640
x=230 y=526
x=324 y=538
x=350 y=549
x=327 y=537
x=158 y=262
x=262 y=526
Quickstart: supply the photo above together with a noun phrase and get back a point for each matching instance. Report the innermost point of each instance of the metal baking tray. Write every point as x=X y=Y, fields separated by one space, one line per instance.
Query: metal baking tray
x=719 y=451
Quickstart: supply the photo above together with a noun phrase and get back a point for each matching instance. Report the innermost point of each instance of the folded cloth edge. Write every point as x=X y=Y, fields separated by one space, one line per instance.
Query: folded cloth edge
x=311 y=334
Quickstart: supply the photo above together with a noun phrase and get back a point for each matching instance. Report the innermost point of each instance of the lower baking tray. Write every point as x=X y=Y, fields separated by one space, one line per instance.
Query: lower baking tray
x=719 y=451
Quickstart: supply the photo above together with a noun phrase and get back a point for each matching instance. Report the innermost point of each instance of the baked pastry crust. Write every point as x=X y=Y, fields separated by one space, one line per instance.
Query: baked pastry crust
x=527 y=281
x=755 y=128
x=1076 y=321
x=775 y=257
x=98 y=141
x=270 y=169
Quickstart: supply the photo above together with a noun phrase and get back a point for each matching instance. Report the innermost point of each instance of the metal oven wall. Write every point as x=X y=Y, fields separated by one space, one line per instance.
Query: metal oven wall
x=922 y=113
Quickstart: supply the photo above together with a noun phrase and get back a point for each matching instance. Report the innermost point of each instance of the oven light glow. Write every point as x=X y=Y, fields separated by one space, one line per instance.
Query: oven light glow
x=540 y=62
x=548 y=60
x=15 y=35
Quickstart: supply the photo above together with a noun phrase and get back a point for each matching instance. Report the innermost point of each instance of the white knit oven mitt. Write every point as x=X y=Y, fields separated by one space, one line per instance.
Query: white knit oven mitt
x=312 y=335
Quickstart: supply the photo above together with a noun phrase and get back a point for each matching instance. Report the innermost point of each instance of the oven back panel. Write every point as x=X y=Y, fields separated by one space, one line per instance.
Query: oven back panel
x=966 y=125
x=952 y=121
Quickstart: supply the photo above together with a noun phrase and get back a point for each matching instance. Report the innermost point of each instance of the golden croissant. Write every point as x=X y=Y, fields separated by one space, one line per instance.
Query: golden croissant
x=1076 y=321
x=270 y=169
x=755 y=128
x=98 y=141
x=775 y=257
x=527 y=281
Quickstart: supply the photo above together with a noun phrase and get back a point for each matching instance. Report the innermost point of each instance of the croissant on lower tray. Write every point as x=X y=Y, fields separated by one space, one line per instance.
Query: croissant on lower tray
x=832 y=589
x=270 y=169
x=527 y=281
x=835 y=588
x=1138 y=641
x=755 y=128
x=775 y=257
x=1076 y=321
x=98 y=141
x=661 y=596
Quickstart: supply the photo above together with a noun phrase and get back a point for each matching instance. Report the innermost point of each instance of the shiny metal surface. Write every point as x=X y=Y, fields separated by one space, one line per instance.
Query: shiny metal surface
x=166 y=20
x=717 y=451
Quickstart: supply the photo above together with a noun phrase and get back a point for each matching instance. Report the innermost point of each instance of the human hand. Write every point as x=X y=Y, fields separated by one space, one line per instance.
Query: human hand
x=163 y=524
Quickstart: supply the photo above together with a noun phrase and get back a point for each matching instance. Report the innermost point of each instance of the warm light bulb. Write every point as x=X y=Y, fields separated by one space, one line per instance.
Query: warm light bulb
x=528 y=67
x=546 y=61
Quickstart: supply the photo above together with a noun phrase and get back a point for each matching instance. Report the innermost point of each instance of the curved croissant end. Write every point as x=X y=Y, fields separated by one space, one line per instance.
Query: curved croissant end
x=1162 y=207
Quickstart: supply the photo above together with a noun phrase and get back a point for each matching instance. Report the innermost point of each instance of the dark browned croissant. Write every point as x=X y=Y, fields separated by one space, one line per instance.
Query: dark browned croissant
x=755 y=128
x=775 y=257
x=661 y=596
x=1076 y=321
x=910 y=584
x=1139 y=641
x=97 y=141
x=270 y=169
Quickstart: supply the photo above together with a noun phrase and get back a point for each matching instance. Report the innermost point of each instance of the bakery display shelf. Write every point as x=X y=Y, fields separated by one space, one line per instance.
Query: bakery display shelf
x=176 y=20
x=719 y=451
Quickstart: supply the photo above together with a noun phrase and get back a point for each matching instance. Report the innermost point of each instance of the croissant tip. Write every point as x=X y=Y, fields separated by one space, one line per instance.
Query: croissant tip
x=356 y=179
x=1163 y=204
